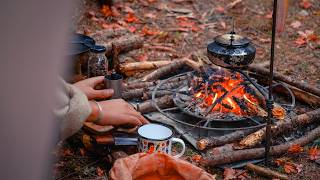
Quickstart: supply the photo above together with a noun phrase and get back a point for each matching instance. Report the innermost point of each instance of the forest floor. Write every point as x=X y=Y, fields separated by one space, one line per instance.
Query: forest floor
x=185 y=26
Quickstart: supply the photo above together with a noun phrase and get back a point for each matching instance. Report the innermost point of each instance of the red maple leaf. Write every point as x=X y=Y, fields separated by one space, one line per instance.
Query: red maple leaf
x=106 y=11
x=292 y=168
x=300 y=41
x=130 y=18
x=295 y=148
x=148 y=31
x=312 y=37
x=305 y=4
x=314 y=153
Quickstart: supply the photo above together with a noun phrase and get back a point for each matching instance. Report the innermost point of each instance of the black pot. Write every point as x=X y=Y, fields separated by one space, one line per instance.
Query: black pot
x=231 y=51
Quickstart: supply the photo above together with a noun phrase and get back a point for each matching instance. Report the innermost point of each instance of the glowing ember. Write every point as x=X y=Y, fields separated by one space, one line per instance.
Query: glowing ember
x=229 y=89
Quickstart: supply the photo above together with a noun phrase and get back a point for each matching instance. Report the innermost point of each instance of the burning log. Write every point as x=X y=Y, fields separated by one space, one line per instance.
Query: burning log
x=286 y=79
x=175 y=65
x=221 y=140
x=280 y=126
x=147 y=65
x=234 y=156
x=266 y=172
x=163 y=102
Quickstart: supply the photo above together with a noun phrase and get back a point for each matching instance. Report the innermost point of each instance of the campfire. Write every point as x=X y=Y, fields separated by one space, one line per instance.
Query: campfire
x=222 y=91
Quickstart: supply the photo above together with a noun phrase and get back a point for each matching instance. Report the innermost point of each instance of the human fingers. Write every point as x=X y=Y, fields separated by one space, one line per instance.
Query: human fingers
x=132 y=120
x=96 y=80
x=138 y=115
x=101 y=94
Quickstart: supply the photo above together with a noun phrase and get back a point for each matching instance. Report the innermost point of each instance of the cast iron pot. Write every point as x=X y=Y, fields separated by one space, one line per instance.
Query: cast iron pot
x=231 y=51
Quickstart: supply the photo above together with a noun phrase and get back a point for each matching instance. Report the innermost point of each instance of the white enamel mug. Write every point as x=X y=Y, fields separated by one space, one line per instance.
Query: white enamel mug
x=156 y=138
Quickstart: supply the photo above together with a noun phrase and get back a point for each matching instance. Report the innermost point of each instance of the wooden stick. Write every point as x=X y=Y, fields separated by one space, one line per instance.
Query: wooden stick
x=155 y=75
x=266 y=172
x=286 y=79
x=143 y=94
x=163 y=102
x=234 y=156
x=147 y=65
x=137 y=85
x=124 y=43
x=221 y=140
x=280 y=127
x=299 y=94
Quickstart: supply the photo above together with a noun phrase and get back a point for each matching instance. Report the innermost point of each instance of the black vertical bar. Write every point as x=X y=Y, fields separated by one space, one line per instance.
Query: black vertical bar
x=270 y=99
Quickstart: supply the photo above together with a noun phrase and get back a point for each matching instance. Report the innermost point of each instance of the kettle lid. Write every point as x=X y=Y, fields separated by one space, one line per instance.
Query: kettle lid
x=231 y=39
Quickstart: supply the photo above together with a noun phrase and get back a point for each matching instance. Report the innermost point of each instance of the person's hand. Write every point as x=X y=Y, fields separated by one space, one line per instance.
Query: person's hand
x=87 y=87
x=118 y=112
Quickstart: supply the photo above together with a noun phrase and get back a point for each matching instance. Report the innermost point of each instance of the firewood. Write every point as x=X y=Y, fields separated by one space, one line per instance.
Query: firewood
x=266 y=172
x=299 y=94
x=234 y=156
x=163 y=102
x=143 y=94
x=147 y=65
x=279 y=127
x=138 y=85
x=286 y=79
x=194 y=65
x=221 y=140
x=175 y=65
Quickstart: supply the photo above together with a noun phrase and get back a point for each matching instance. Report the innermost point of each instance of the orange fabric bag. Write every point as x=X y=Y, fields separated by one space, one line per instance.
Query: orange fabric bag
x=156 y=166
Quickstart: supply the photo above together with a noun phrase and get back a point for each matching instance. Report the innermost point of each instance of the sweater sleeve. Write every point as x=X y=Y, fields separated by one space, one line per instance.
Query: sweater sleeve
x=73 y=109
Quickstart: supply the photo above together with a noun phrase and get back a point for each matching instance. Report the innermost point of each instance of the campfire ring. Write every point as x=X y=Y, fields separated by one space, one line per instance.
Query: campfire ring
x=198 y=126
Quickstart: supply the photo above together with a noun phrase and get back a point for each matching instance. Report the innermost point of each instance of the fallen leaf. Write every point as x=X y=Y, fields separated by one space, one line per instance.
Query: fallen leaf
x=150 y=15
x=305 y=4
x=268 y=15
x=233 y=4
x=66 y=152
x=281 y=161
x=219 y=9
x=82 y=152
x=106 y=11
x=295 y=148
x=128 y=9
x=295 y=24
x=314 y=153
x=151 y=1
x=300 y=41
x=196 y=158
x=132 y=29
x=312 y=37
x=100 y=172
x=130 y=18
x=115 y=11
x=142 y=57
x=264 y=40
x=292 y=168
x=148 y=31
x=229 y=173
x=223 y=24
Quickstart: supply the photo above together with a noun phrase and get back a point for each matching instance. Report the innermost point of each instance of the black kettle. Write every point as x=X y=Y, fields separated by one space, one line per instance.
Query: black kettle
x=231 y=51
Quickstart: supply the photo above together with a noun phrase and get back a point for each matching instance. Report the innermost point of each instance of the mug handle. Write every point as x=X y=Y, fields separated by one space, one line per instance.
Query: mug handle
x=177 y=140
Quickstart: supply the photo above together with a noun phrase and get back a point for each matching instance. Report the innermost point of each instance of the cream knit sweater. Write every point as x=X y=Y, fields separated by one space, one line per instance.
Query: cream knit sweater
x=73 y=109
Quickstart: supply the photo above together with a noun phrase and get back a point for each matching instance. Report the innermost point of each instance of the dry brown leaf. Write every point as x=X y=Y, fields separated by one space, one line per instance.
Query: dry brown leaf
x=294 y=149
x=295 y=24
x=300 y=41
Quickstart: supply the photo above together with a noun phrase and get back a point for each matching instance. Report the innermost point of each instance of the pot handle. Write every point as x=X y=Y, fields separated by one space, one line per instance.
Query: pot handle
x=177 y=140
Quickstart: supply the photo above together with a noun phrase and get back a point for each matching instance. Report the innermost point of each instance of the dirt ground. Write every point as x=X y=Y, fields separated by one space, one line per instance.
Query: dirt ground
x=186 y=26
